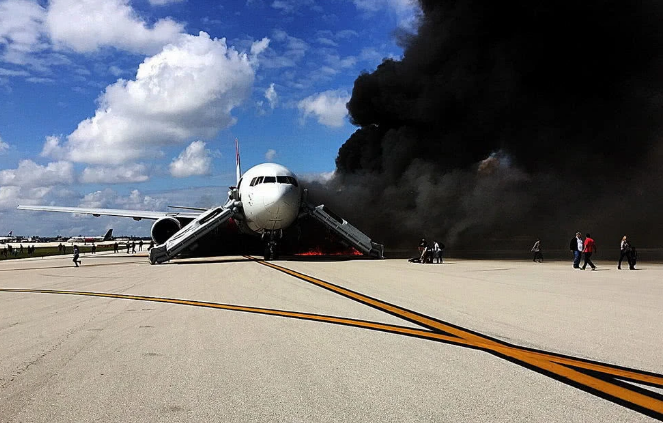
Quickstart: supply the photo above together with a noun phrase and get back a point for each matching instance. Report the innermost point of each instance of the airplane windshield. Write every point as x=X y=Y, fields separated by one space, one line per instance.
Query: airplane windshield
x=274 y=179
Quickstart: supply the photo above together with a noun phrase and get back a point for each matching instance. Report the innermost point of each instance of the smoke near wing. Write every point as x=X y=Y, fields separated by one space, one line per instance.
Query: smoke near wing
x=509 y=121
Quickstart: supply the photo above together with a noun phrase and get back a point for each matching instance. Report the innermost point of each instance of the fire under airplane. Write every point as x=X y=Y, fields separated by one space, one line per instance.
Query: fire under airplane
x=267 y=200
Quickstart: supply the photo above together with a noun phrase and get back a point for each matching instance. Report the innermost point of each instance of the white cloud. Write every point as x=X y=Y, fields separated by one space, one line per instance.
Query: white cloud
x=21 y=29
x=163 y=2
x=271 y=96
x=12 y=196
x=30 y=182
x=291 y=51
x=328 y=107
x=3 y=146
x=291 y=6
x=399 y=6
x=10 y=72
x=109 y=198
x=31 y=175
x=270 y=155
x=101 y=23
x=194 y=160
x=135 y=172
x=188 y=90
x=406 y=11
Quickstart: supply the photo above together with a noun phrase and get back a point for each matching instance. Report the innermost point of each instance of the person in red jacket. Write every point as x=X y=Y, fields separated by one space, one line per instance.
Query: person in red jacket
x=589 y=249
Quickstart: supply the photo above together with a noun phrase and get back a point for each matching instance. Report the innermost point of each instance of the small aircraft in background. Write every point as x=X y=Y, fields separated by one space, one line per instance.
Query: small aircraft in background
x=267 y=200
x=86 y=239
x=8 y=238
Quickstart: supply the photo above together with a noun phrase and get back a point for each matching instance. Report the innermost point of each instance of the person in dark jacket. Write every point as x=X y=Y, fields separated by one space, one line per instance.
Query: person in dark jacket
x=625 y=250
x=576 y=246
x=76 y=255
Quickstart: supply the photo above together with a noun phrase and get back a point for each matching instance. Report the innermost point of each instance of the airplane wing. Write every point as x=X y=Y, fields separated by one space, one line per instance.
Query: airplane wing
x=134 y=214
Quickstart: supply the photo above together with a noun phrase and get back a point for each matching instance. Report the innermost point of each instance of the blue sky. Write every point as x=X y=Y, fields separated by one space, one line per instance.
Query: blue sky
x=136 y=104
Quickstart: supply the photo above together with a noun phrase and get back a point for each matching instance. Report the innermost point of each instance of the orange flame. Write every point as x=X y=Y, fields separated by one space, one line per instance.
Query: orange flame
x=318 y=252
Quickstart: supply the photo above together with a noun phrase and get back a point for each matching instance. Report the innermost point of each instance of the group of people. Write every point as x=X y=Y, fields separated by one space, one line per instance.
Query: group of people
x=131 y=246
x=582 y=248
x=585 y=248
x=9 y=251
x=428 y=253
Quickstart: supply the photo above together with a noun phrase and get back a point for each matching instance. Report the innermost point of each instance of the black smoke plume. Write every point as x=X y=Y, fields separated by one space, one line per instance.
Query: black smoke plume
x=506 y=121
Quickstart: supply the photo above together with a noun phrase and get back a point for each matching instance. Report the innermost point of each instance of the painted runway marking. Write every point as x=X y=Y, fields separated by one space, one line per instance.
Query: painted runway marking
x=604 y=380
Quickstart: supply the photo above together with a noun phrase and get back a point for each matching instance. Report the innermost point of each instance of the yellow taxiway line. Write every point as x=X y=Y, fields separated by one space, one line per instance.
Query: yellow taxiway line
x=604 y=380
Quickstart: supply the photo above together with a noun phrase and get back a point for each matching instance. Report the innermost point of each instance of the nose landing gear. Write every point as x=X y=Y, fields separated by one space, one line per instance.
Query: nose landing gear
x=271 y=244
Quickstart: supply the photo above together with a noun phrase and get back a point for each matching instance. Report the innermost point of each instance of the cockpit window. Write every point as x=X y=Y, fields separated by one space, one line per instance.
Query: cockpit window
x=253 y=181
x=286 y=180
x=270 y=179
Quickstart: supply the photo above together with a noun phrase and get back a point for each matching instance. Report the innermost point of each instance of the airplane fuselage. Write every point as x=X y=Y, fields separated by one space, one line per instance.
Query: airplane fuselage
x=271 y=197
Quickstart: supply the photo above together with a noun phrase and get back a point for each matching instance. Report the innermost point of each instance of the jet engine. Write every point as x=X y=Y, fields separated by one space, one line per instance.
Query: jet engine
x=164 y=228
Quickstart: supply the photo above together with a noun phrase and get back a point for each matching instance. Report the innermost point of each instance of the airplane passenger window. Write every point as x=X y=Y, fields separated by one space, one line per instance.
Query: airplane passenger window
x=270 y=179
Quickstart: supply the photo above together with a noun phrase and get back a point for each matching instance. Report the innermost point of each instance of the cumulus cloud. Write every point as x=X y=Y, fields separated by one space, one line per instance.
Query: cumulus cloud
x=328 y=107
x=271 y=96
x=194 y=160
x=21 y=29
x=102 y=23
x=187 y=91
x=30 y=182
x=109 y=198
x=12 y=196
x=136 y=172
x=270 y=155
x=29 y=174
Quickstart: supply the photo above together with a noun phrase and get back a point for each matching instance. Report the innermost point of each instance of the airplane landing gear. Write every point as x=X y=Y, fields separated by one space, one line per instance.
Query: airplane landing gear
x=271 y=246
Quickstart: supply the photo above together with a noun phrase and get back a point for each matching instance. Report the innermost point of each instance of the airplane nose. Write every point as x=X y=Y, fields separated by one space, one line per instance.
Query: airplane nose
x=274 y=196
x=283 y=196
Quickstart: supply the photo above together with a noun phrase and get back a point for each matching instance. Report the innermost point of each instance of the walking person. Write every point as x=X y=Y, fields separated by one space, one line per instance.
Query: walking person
x=576 y=246
x=588 y=249
x=423 y=250
x=437 y=252
x=133 y=247
x=536 y=249
x=76 y=255
x=625 y=250
x=140 y=245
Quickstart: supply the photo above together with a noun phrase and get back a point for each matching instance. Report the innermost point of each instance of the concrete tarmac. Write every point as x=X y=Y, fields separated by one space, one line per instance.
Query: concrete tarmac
x=328 y=341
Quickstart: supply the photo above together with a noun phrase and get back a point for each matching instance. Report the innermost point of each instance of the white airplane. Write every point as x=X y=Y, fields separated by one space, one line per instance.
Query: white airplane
x=8 y=238
x=86 y=239
x=267 y=200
